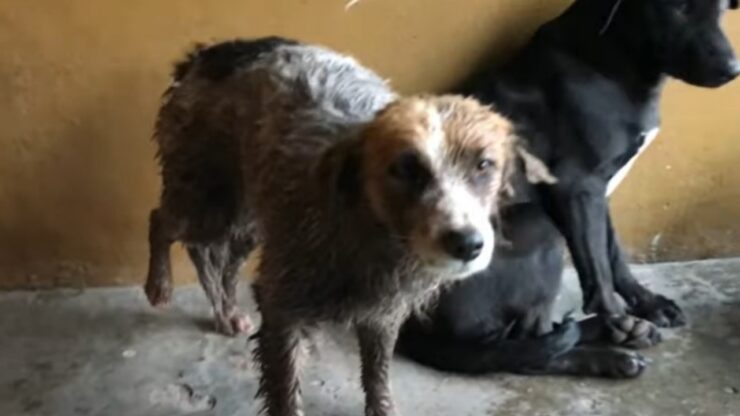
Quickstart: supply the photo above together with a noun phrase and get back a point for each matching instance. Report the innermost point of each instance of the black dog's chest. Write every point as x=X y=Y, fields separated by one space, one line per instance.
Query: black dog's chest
x=626 y=160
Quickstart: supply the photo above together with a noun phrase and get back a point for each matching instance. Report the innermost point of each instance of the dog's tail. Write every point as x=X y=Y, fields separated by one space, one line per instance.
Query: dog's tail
x=219 y=60
x=184 y=66
x=179 y=71
x=501 y=355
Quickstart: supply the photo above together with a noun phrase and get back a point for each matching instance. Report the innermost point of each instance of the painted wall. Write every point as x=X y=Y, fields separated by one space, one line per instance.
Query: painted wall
x=80 y=83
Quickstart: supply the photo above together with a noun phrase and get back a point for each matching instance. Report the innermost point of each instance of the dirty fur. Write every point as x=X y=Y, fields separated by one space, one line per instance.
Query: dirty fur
x=346 y=186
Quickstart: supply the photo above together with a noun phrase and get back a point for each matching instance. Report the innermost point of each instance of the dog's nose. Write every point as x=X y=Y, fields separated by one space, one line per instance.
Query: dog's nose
x=464 y=244
x=734 y=69
x=731 y=71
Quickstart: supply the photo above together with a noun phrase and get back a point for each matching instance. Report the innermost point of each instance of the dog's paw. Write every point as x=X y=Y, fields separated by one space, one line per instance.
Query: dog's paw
x=603 y=362
x=233 y=324
x=382 y=407
x=661 y=311
x=632 y=332
x=158 y=292
x=624 y=364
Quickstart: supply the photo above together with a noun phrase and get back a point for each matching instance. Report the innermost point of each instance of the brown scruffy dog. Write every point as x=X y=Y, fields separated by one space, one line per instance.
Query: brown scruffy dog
x=364 y=203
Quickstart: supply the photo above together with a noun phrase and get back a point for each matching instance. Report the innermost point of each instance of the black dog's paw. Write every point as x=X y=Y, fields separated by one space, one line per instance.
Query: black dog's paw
x=625 y=364
x=607 y=363
x=661 y=311
x=632 y=332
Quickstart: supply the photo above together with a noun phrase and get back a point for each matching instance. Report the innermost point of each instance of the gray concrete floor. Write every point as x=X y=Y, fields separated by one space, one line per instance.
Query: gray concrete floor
x=105 y=352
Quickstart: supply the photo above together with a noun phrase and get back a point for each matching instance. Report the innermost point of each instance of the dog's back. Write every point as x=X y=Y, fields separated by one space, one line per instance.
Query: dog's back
x=221 y=135
x=215 y=111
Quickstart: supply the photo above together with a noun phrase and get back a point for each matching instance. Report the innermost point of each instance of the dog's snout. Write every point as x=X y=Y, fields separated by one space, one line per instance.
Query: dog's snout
x=465 y=244
x=733 y=69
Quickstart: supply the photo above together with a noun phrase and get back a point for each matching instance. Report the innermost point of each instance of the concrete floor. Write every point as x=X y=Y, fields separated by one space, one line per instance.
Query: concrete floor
x=105 y=352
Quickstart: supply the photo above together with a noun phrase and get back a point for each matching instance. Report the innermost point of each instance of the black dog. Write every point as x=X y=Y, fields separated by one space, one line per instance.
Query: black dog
x=585 y=94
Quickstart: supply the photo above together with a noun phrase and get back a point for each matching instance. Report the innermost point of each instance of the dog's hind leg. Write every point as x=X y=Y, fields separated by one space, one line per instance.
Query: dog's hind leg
x=209 y=261
x=593 y=358
x=553 y=354
x=480 y=357
x=163 y=231
x=239 y=249
x=640 y=301
x=623 y=331
x=594 y=362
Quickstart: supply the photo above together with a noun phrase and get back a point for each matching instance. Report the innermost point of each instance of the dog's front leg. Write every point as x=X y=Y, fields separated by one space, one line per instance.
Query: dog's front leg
x=641 y=302
x=277 y=352
x=376 y=351
x=581 y=215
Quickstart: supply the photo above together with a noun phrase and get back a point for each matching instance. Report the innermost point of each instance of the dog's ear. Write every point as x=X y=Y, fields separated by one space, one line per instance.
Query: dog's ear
x=339 y=171
x=535 y=170
x=734 y=4
x=521 y=165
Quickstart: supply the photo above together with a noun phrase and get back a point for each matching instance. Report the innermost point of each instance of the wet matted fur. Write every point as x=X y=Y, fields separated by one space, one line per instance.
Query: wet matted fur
x=364 y=203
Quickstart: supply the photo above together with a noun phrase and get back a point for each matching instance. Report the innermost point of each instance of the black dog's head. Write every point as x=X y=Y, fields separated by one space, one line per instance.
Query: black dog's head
x=685 y=37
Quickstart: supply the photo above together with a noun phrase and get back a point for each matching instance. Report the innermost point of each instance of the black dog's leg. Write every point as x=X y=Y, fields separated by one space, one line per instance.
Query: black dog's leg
x=595 y=362
x=623 y=331
x=581 y=216
x=479 y=356
x=640 y=301
x=555 y=353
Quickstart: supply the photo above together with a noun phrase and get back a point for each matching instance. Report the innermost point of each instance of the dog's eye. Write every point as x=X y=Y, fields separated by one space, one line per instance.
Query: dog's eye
x=484 y=165
x=410 y=170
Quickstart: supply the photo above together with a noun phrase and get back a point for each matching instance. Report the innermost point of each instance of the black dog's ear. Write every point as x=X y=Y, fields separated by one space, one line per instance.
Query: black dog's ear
x=734 y=4
x=340 y=171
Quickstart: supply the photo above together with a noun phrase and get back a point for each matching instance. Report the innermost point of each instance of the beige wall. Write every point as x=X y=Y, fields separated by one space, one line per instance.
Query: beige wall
x=80 y=82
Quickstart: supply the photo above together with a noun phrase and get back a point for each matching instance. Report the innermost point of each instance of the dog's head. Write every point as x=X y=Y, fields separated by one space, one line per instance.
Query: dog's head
x=684 y=35
x=432 y=171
